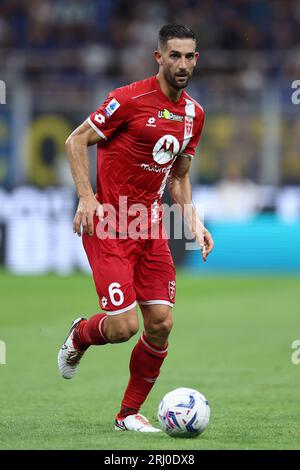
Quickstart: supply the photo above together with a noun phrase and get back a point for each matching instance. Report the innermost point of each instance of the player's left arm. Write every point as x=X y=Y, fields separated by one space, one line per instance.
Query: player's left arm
x=180 y=189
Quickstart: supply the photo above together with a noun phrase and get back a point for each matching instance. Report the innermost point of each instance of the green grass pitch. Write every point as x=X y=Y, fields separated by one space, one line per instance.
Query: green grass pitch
x=231 y=340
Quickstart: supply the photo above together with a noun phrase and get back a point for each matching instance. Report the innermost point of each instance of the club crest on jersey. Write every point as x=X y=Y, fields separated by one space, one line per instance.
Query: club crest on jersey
x=188 y=129
x=165 y=114
x=112 y=106
x=172 y=289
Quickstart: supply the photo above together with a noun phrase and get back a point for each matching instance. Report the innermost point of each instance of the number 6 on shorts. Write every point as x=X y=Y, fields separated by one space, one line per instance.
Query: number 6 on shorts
x=115 y=292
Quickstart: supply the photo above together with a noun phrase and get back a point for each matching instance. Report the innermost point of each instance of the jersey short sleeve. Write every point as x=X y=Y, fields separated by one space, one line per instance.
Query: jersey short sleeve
x=111 y=115
x=193 y=143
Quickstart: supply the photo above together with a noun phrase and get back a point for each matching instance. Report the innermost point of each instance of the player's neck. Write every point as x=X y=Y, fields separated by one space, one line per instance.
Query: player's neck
x=170 y=92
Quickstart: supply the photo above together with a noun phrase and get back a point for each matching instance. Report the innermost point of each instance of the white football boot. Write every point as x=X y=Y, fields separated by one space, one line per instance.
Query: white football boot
x=68 y=357
x=135 y=422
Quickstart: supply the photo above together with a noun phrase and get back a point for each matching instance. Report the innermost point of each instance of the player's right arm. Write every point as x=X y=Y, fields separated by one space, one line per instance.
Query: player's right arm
x=77 y=151
x=101 y=124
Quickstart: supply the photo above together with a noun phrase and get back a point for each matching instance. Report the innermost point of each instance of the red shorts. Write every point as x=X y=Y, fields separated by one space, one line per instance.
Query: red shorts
x=127 y=272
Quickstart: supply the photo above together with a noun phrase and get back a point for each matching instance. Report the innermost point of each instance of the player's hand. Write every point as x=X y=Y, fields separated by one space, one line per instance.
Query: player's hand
x=206 y=244
x=88 y=206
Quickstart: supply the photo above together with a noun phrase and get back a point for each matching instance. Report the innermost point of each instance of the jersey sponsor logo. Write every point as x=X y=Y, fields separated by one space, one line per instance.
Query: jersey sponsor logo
x=112 y=106
x=99 y=118
x=165 y=149
x=155 y=168
x=151 y=122
x=172 y=289
x=166 y=114
x=188 y=129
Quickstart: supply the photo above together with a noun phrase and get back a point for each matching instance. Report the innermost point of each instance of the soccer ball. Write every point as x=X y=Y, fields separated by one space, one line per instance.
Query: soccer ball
x=184 y=412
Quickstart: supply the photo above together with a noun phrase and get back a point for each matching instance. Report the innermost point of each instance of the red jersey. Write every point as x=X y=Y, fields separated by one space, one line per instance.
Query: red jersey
x=143 y=132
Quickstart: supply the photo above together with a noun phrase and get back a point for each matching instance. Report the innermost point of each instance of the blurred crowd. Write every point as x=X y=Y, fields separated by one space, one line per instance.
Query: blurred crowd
x=68 y=52
x=228 y=24
x=118 y=35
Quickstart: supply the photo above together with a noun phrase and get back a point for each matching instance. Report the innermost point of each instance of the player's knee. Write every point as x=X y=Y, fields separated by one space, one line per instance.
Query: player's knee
x=121 y=335
x=161 y=327
x=165 y=326
x=124 y=331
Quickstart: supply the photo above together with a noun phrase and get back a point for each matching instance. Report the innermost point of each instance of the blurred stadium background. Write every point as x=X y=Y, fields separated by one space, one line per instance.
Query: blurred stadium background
x=58 y=60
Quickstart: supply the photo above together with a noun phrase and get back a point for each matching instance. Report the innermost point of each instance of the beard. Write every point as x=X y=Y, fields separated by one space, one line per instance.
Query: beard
x=172 y=80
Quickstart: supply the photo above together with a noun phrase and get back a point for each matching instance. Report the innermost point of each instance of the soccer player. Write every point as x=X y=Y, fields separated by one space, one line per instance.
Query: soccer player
x=146 y=134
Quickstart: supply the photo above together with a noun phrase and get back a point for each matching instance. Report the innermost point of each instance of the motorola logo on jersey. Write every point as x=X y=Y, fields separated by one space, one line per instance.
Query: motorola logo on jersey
x=165 y=149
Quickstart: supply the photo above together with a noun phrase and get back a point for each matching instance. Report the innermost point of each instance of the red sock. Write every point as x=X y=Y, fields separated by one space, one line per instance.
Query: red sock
x=146 y=360
x=90 y=332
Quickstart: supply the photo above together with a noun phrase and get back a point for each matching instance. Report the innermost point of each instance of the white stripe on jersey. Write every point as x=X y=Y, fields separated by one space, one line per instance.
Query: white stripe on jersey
x=96 y=128
x=190 y=112
x=190 y=108
x=143 y=94
x=195 y=102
